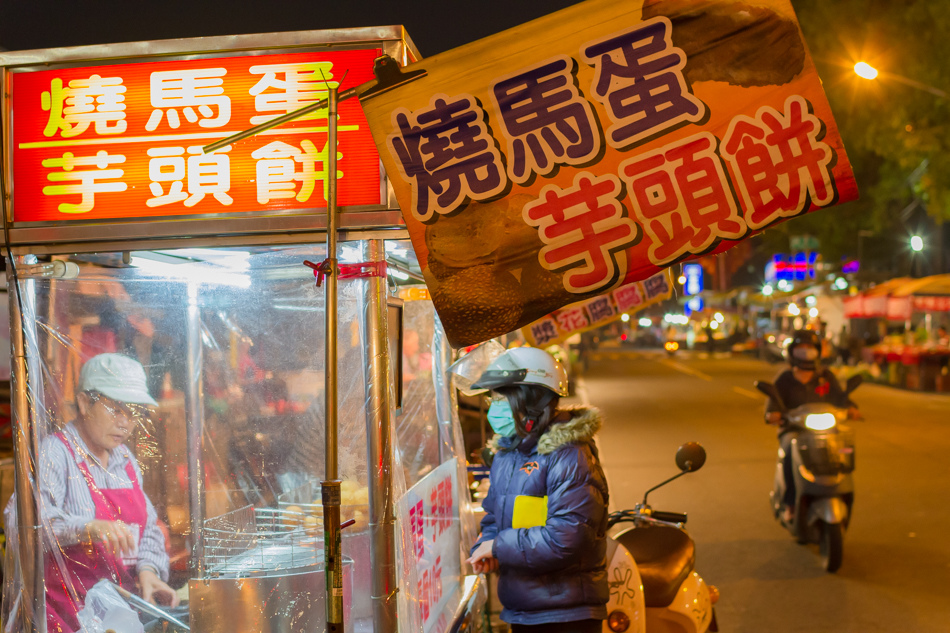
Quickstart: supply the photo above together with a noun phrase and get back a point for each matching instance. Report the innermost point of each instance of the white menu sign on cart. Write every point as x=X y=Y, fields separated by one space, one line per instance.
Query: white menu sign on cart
x=429 y=518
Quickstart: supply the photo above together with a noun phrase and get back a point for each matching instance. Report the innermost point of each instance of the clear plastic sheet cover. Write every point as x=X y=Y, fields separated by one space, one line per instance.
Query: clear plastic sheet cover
x=432 y=518
x=231 y=346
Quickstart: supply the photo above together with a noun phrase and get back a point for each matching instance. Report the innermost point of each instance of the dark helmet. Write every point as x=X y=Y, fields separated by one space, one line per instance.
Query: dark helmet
x=804 y=350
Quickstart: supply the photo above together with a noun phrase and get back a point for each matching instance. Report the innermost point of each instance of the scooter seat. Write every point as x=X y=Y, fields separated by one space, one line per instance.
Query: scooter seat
x=665 y=557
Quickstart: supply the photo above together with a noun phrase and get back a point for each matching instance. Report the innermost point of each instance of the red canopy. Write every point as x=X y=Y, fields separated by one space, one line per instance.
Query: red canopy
x=899 y=298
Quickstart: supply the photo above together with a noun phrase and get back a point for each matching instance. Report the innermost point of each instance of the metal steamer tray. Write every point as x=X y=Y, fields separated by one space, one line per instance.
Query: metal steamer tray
x=260 y=542
x=263 y=573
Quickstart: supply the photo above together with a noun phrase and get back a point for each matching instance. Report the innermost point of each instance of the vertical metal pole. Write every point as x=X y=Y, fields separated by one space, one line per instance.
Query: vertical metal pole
x=379 y=445
x=29 y=553
x=194 y=425
x=330 y=491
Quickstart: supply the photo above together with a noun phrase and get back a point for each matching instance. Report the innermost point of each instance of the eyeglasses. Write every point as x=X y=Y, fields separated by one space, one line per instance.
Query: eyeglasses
x=115 y=407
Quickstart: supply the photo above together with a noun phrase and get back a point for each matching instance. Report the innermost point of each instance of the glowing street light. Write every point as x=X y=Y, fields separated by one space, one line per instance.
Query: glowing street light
x=682 y=280
x=793 y=309
x=624 y=317
x=865 y=70
x=916 y=243
x=767 y=290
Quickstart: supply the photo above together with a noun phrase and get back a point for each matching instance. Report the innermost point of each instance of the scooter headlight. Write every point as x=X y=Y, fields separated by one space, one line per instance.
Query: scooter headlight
x=820 y=421
x=671 y=346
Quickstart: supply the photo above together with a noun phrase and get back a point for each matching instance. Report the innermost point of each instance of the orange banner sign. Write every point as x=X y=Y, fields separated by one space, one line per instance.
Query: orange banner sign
x=125 y=140
x=596 y=146
x=628 y=299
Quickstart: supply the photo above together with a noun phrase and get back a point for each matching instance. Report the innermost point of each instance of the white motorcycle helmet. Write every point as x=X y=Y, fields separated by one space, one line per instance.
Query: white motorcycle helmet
x=524 y=366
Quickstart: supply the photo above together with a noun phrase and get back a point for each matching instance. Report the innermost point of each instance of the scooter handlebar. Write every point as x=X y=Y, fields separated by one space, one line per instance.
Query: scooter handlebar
x=670 y=517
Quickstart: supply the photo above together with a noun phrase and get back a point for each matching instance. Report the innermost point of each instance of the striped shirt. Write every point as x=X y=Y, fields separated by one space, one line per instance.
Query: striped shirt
x=67 y=504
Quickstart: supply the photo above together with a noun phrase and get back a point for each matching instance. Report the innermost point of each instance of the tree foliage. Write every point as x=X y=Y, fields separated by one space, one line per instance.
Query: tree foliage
x=895 y=128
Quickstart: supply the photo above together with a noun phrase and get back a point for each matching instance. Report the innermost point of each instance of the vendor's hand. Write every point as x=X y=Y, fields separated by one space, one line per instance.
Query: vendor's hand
x=774 y=418
x=115 y=535
x=156 y=591
x=854 y=414
x=482 y=559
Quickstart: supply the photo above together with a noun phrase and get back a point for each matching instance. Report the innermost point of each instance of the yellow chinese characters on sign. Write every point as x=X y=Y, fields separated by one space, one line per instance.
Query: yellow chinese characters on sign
x=125 y=140
x=598 y=145
x=562 y=324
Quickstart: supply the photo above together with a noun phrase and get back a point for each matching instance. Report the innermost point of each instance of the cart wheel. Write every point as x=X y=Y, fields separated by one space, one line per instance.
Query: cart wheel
x=831 y=546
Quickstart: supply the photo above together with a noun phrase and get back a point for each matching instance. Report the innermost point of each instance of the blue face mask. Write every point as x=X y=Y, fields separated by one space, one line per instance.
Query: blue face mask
x=501 y=418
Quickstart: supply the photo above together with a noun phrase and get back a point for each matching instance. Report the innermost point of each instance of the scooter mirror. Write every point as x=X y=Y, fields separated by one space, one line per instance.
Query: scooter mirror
x=690 y=457
x=854 y=382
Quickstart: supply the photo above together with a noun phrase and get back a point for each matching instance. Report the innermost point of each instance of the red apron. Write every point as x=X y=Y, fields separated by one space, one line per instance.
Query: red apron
x=70 y=575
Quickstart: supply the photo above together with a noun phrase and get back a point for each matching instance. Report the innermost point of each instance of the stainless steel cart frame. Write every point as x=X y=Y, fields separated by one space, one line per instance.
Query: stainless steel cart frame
x=370 y=225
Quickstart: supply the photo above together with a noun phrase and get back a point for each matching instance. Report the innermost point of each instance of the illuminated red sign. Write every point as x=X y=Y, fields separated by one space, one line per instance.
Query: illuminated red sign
x=125 y=140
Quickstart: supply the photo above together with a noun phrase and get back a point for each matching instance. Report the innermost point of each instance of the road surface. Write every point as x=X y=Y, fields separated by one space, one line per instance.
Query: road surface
x=896 y=571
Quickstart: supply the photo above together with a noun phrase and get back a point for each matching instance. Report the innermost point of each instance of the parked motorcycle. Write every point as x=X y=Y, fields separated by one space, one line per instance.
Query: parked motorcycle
x=822 y=463
x=653 y=586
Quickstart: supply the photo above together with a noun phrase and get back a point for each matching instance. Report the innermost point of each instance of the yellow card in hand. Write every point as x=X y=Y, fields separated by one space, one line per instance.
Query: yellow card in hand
x=529 y=512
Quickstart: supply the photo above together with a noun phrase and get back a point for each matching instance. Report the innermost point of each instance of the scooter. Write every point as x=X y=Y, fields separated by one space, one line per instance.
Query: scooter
x=653 y=586
x=671 y=347
x=822 y=463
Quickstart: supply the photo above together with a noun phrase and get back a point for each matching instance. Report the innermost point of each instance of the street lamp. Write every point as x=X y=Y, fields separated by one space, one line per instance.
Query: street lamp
x=867 y=71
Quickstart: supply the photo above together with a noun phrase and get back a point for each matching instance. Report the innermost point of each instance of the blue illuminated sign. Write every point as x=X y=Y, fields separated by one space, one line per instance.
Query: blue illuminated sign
x=695 y=304
x=797 y=267
x=694 y=279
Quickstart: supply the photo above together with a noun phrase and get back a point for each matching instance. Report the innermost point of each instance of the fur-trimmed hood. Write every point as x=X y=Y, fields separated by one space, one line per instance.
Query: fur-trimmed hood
x=585 y=422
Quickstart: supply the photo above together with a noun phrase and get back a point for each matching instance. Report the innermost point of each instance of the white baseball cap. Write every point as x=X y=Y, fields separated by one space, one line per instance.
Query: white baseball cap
x=117 y=377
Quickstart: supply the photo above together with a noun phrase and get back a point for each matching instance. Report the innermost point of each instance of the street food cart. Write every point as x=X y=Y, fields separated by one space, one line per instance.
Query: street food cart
x=123 y=237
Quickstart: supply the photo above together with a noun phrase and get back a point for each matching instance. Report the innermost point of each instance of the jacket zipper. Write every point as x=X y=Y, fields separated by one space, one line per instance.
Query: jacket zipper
x=504 y=508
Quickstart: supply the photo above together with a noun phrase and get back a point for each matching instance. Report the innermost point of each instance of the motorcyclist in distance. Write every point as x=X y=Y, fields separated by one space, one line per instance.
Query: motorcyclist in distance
x=807 y=381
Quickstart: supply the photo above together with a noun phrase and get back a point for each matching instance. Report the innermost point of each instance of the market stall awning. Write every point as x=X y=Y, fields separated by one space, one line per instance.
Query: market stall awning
x=898 y=299
x=932 y=286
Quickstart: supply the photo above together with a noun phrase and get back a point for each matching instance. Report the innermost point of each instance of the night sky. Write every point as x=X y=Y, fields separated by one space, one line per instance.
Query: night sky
x=433 y=26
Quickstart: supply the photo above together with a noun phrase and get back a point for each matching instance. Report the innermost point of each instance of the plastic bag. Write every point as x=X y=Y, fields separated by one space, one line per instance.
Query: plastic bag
x=106 y=610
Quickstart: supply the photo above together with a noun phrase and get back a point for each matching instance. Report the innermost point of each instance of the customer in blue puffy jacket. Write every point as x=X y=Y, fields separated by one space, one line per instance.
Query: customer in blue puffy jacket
x=545 y=521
